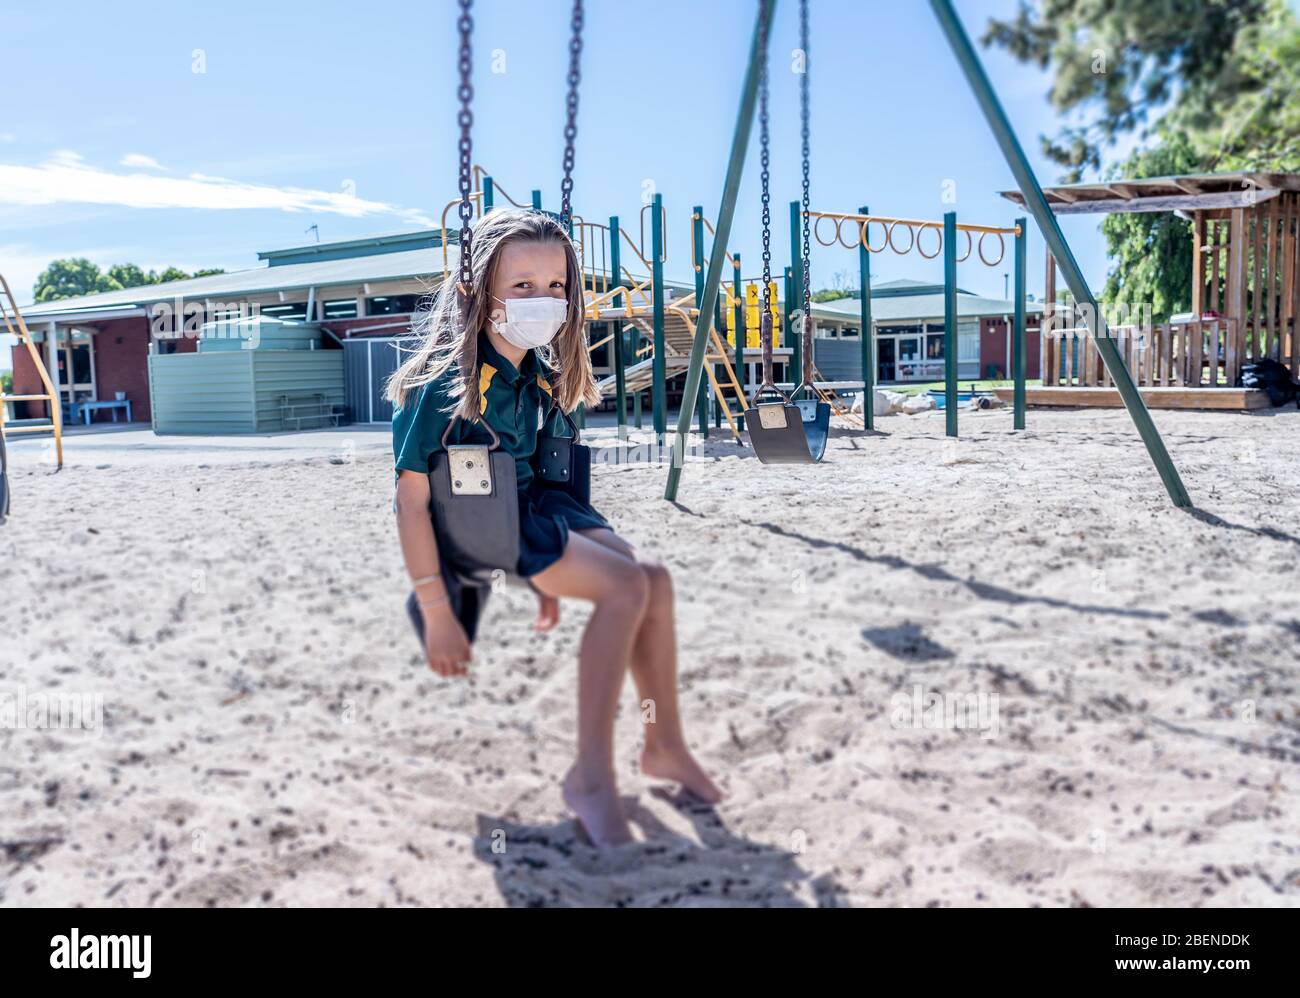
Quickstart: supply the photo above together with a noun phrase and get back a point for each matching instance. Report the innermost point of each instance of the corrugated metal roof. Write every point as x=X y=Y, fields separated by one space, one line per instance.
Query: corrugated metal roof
x=901 y=308
x=422 y=263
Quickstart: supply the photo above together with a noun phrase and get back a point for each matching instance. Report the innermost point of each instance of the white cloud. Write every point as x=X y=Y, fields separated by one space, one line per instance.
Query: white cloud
x=8 y=137
x=141 y=161
x=66 y=179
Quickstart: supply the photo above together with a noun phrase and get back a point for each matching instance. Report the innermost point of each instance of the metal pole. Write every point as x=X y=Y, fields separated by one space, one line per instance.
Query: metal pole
x=659 y=393
x=718 y=368
x=1059 y=248
x=489 y=194
x=738 y=326
x=795 y=306
x=537 y=200
x=1018 y=340
x=949 y=321
x=868 y=344
x=697 y=230
x=620 y=377
x=721 y=237
x=791 y=339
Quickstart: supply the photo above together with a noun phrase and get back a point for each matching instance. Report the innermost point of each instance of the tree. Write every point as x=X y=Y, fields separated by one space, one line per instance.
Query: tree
x=128 y=275
x=1258 y=126
x=71 y=278
x=1152 y=251
x=1121 y=63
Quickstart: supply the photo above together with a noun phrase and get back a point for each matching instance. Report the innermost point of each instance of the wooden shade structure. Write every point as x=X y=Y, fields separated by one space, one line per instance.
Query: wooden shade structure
x=1245 y=285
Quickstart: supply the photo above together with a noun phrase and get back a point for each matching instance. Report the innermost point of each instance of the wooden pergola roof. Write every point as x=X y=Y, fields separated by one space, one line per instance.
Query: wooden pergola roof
x=1192 y=192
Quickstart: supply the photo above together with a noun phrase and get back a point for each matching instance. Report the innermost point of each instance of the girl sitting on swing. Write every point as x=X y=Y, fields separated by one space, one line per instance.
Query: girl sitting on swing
x=523 y=346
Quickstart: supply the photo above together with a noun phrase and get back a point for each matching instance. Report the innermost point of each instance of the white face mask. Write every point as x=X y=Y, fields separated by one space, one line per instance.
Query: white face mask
x=531 y=322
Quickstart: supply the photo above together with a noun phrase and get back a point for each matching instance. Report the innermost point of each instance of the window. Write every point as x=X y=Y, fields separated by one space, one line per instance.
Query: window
x=288 y=310
x=391 y=304
x=934 y=346
x=343 y=308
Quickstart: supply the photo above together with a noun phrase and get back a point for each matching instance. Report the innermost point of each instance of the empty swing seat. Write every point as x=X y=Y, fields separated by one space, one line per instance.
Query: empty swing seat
x=792 y=432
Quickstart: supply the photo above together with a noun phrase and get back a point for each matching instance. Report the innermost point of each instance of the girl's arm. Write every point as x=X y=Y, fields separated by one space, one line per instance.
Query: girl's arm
x=446 y=646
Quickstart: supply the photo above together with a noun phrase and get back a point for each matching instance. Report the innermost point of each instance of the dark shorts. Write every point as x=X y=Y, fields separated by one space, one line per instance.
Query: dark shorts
x=545 y=518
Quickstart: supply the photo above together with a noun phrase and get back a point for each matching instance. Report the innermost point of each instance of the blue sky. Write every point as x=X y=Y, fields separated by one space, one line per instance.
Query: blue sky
x=165 y=133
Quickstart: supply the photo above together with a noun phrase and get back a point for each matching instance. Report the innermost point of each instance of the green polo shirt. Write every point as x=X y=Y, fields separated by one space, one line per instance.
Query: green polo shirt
x=511 y=399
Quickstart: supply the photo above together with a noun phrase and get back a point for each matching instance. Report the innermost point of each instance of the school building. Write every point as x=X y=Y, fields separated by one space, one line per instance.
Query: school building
x=327 y=319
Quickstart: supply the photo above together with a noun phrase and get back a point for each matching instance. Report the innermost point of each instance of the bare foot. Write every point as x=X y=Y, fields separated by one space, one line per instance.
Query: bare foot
x=597 y=807
x=679 y=766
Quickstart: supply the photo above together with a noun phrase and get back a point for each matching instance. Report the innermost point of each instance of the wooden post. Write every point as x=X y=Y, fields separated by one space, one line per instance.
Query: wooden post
x=1256 y=300
x=1198 y=263
x=1288 y=265
x=1047 y=326
x=1235 y=292
x=1272 y=262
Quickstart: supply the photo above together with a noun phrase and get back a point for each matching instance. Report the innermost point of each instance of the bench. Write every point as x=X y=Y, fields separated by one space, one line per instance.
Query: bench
x=297 y=408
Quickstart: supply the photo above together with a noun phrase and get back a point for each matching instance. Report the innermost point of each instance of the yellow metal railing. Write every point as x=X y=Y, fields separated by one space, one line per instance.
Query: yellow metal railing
x=17 y=328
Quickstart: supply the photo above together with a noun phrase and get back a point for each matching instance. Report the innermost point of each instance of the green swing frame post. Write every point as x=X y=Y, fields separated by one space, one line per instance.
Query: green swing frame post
x=1018 y=343
x=620 y=362
x=721 y=237
x=949 y=322
x=739 y=331
x=1035 y=201
x=1070 y=270
x=659 y=369
x=866 y=335
x=697 y=243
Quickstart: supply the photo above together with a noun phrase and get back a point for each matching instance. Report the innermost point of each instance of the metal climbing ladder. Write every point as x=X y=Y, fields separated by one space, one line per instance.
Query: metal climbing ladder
x=15 y=326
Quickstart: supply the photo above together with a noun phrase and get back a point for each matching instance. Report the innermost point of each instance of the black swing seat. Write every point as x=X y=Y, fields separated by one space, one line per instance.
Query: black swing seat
x=789 y=432
x=474 y=506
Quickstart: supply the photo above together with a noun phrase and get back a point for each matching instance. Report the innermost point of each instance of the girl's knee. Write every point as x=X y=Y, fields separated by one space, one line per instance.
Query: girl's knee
x=629 y=587
x=659 y=581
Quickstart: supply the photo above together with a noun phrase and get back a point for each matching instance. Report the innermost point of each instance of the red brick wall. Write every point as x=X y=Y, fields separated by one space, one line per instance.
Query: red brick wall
x=27 y=382
x=993 y=347
x=122 y=365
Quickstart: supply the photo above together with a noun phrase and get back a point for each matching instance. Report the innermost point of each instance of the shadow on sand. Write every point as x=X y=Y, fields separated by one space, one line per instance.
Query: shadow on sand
x=553 y=866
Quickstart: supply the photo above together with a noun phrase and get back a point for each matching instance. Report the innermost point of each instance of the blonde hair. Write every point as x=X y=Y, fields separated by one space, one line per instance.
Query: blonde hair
x=446 y=342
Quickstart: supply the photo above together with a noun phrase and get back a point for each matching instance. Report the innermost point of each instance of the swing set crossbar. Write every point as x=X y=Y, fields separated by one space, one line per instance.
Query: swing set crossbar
x=1013 y=230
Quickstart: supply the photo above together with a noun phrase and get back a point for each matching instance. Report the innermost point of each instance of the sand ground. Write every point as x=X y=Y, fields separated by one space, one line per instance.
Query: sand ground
x=270 y=735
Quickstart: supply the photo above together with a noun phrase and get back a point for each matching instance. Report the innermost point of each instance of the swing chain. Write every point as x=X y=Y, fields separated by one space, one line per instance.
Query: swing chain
x=804 y=132
x=571 y=111
x=465 y=24
x=765 y=320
